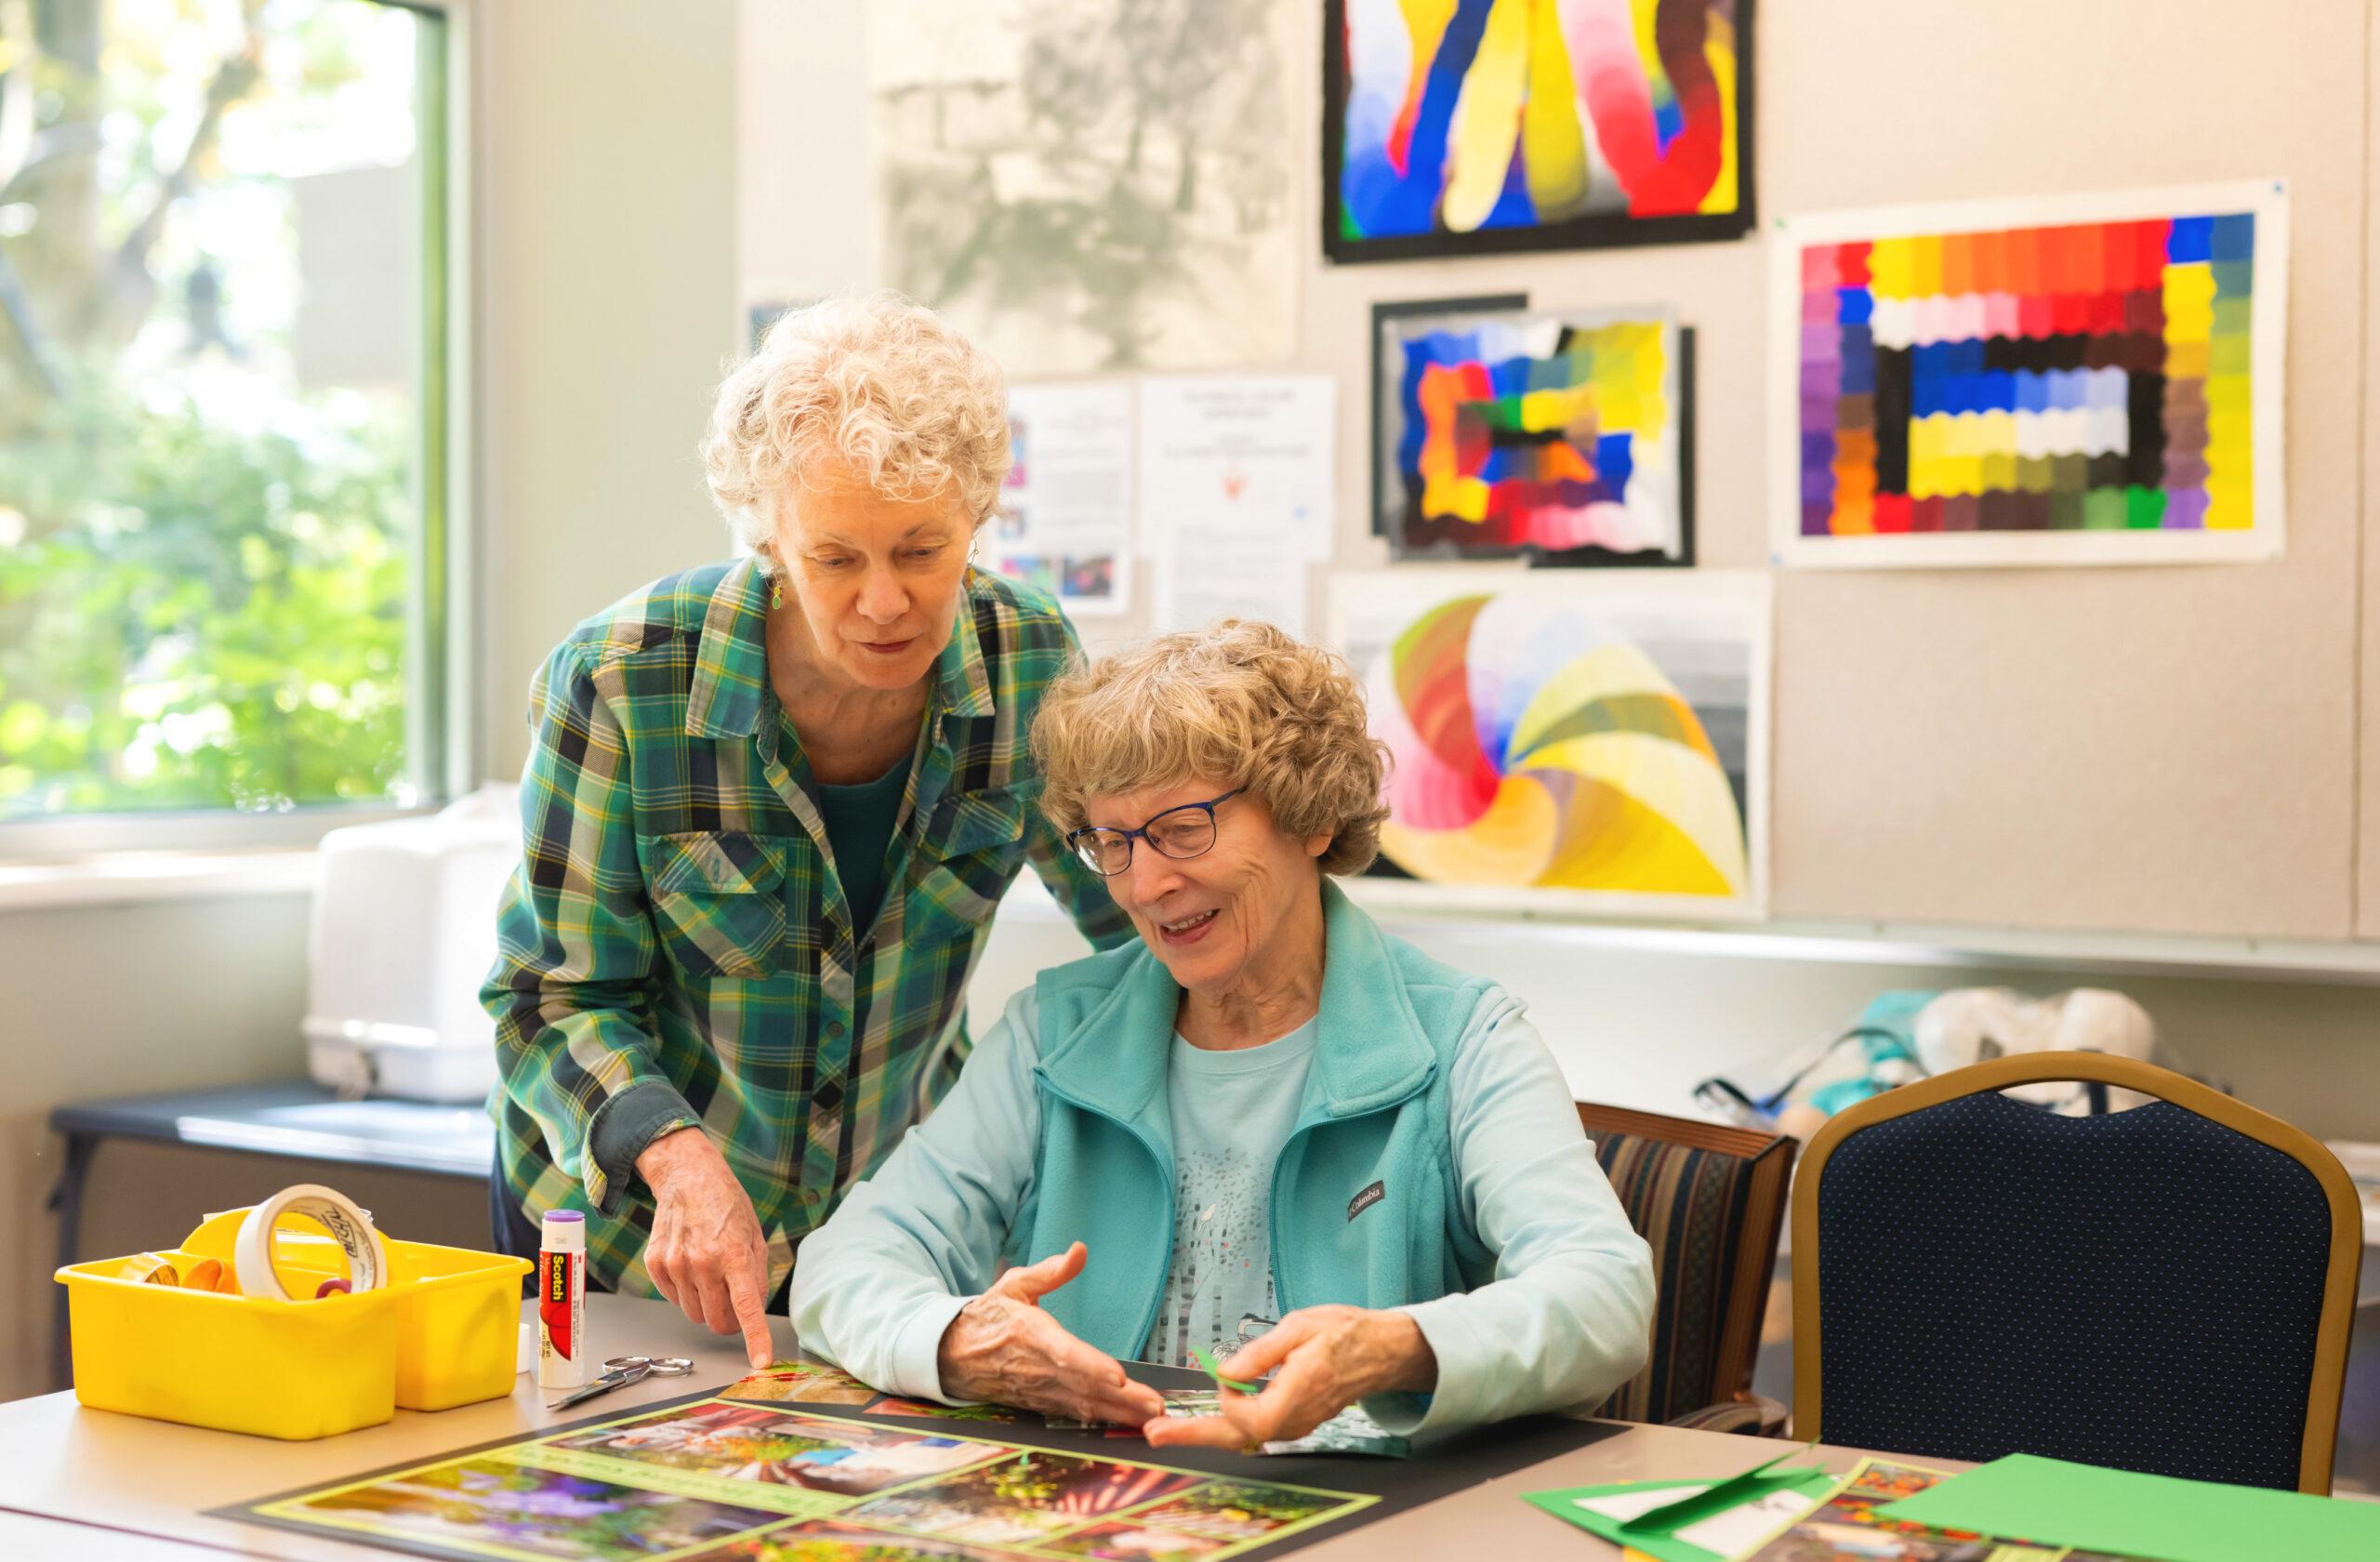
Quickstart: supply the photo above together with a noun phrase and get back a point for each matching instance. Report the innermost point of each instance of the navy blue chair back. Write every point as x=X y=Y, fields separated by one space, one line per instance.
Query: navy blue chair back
x=2148 y=1289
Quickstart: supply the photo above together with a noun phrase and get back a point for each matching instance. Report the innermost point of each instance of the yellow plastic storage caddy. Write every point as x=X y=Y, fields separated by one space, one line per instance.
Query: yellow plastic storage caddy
x=444 y=1331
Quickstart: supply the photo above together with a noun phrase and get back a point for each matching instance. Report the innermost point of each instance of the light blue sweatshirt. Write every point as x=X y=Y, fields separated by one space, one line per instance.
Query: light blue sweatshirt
x=1436 y=1165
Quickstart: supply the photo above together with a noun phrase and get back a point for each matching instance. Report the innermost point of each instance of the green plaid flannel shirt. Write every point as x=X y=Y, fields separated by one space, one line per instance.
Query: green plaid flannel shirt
x=677 y=926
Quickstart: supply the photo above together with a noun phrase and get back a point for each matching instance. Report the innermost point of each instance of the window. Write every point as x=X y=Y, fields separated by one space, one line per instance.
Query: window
x=223 y=410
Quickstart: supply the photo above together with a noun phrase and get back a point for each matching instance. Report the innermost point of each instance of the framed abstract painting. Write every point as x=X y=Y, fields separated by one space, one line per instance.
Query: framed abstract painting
x=2070 y=380
x=1559 y=436
x=1485 y=127
x=1594 y=744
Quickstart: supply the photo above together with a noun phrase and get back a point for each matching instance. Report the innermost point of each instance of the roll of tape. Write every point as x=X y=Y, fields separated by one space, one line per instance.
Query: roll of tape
x=151 y=1269
x=348 y=1226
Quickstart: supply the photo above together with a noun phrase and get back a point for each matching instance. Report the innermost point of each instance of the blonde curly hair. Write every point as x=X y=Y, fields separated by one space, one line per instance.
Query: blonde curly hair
x=868 y=382
x=1241 y=703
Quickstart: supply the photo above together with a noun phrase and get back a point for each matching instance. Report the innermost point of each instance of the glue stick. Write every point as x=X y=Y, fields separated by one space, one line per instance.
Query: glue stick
x=561 y=1301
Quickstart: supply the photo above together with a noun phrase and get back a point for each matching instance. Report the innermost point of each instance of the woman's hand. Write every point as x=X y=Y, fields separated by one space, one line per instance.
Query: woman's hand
x=707 y=1254
x=1002 y=1347
x=1328 y=1358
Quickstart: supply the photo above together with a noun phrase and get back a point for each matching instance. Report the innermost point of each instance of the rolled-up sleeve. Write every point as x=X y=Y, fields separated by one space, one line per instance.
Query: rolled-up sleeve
x=570 y=988
x=1568 y=1317
x=875 y=1287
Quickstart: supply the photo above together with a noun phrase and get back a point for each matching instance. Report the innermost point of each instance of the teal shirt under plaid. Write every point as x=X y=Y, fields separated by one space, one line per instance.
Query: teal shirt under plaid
x=676 y=942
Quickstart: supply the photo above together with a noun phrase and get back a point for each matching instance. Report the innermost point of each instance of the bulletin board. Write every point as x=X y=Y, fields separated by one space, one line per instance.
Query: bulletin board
x=2166 y=749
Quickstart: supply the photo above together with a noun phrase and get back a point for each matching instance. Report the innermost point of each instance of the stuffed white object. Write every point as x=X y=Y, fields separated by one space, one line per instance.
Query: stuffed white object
x=1976 y=1025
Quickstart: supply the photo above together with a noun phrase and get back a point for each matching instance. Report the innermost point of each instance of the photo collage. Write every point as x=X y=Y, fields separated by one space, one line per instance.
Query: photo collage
x=757 y=1481
x=1846 y=1528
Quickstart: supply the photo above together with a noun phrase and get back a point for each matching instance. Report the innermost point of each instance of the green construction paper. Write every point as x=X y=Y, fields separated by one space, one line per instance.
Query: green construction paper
x=1668 y=1548
x=1217 y=1373
x=2162 y=1516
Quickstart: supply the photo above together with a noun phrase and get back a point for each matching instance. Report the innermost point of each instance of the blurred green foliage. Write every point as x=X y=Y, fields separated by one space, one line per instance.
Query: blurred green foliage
x=193 y=616
x=205 y=572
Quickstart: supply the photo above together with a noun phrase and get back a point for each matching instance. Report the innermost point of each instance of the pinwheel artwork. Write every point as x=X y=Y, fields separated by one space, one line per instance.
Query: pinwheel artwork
x=1569 y=743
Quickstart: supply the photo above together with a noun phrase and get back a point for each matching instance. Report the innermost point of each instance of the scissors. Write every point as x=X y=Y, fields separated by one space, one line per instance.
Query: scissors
x=621 y=1370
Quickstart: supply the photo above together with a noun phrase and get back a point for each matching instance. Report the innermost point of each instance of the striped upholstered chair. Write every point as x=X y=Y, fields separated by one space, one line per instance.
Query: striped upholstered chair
x=1709 y=1199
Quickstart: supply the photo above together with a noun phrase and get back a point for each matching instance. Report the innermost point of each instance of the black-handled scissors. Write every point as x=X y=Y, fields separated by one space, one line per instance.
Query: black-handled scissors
x=622 y=1370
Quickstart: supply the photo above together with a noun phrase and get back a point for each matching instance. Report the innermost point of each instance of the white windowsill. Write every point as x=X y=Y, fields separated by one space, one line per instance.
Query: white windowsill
x=126 y=877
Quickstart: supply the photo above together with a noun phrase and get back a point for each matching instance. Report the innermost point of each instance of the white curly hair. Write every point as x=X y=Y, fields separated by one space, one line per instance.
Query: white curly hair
x=867 y=383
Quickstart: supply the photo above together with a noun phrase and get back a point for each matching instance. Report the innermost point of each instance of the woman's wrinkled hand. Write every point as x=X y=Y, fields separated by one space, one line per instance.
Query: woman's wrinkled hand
x=1003 y=1348
x=1323 y=1359
x=707 y=1254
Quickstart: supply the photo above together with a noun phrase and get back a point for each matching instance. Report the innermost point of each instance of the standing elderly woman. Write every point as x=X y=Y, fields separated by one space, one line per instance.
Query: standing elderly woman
x=1268 y=1109
x=770 y=809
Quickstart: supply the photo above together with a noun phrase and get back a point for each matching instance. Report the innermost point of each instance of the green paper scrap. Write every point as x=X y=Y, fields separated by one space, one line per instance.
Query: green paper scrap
x=1563 y=1504
x=1670 y=1517
x=2055 y=1502
x=1217 y=1373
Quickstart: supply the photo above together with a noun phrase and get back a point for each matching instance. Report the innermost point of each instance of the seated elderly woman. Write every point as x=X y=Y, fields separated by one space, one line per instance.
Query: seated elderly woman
x=1268 y=1109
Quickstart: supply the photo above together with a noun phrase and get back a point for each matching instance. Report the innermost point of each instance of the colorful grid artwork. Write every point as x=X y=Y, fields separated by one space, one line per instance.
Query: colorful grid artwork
x=1573 y=742
x=2040 y=384
x=1560 y=436
x=1466 y=127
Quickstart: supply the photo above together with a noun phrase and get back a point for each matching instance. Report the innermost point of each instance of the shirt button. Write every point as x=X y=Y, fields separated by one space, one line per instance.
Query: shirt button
x=834 y=1030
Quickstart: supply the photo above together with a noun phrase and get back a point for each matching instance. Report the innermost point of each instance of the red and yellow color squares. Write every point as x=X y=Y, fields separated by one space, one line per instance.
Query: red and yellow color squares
x=2086 y=377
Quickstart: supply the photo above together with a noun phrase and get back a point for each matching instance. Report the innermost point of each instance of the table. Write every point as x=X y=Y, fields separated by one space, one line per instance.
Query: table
x=145 y=1483
x=295 y=1119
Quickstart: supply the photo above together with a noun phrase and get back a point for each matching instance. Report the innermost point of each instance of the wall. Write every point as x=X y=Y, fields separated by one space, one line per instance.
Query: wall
x=609 y=236
x=1640 y=1027
x=2009 y=751
x=2367 y=898
x=117 y=1001
x=607 y=227
x=2159 y=749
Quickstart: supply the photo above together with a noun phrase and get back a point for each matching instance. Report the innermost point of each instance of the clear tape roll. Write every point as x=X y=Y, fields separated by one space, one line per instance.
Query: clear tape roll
x=349 y=1226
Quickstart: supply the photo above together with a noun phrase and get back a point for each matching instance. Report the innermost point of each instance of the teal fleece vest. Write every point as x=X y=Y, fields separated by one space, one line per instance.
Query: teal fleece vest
x=1366 y=1206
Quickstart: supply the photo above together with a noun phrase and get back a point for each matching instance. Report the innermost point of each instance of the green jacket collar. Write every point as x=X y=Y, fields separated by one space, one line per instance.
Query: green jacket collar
x=732 y=668
x=1370 y=1051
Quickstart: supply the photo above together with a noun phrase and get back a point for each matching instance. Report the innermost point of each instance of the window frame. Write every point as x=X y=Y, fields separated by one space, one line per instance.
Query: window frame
x=442 y=728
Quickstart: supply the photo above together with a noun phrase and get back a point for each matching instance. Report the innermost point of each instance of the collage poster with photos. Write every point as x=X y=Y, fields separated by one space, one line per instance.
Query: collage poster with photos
x=754 y=1478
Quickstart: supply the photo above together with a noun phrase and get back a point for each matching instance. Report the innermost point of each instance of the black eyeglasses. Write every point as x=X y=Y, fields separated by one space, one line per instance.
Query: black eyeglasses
x=1186 y=831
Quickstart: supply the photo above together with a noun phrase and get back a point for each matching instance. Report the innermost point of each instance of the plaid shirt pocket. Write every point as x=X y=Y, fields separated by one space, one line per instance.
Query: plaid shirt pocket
x=718 y=901
x=972 y=849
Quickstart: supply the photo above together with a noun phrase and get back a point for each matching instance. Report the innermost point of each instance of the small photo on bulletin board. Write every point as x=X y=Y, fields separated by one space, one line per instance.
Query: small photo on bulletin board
x=1567 y=742
x=2070 y=380
x=1561 y=436
x=1488 y=127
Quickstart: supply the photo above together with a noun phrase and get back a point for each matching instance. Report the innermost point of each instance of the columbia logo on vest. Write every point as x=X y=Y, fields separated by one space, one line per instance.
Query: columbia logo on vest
x=1365 y=1200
